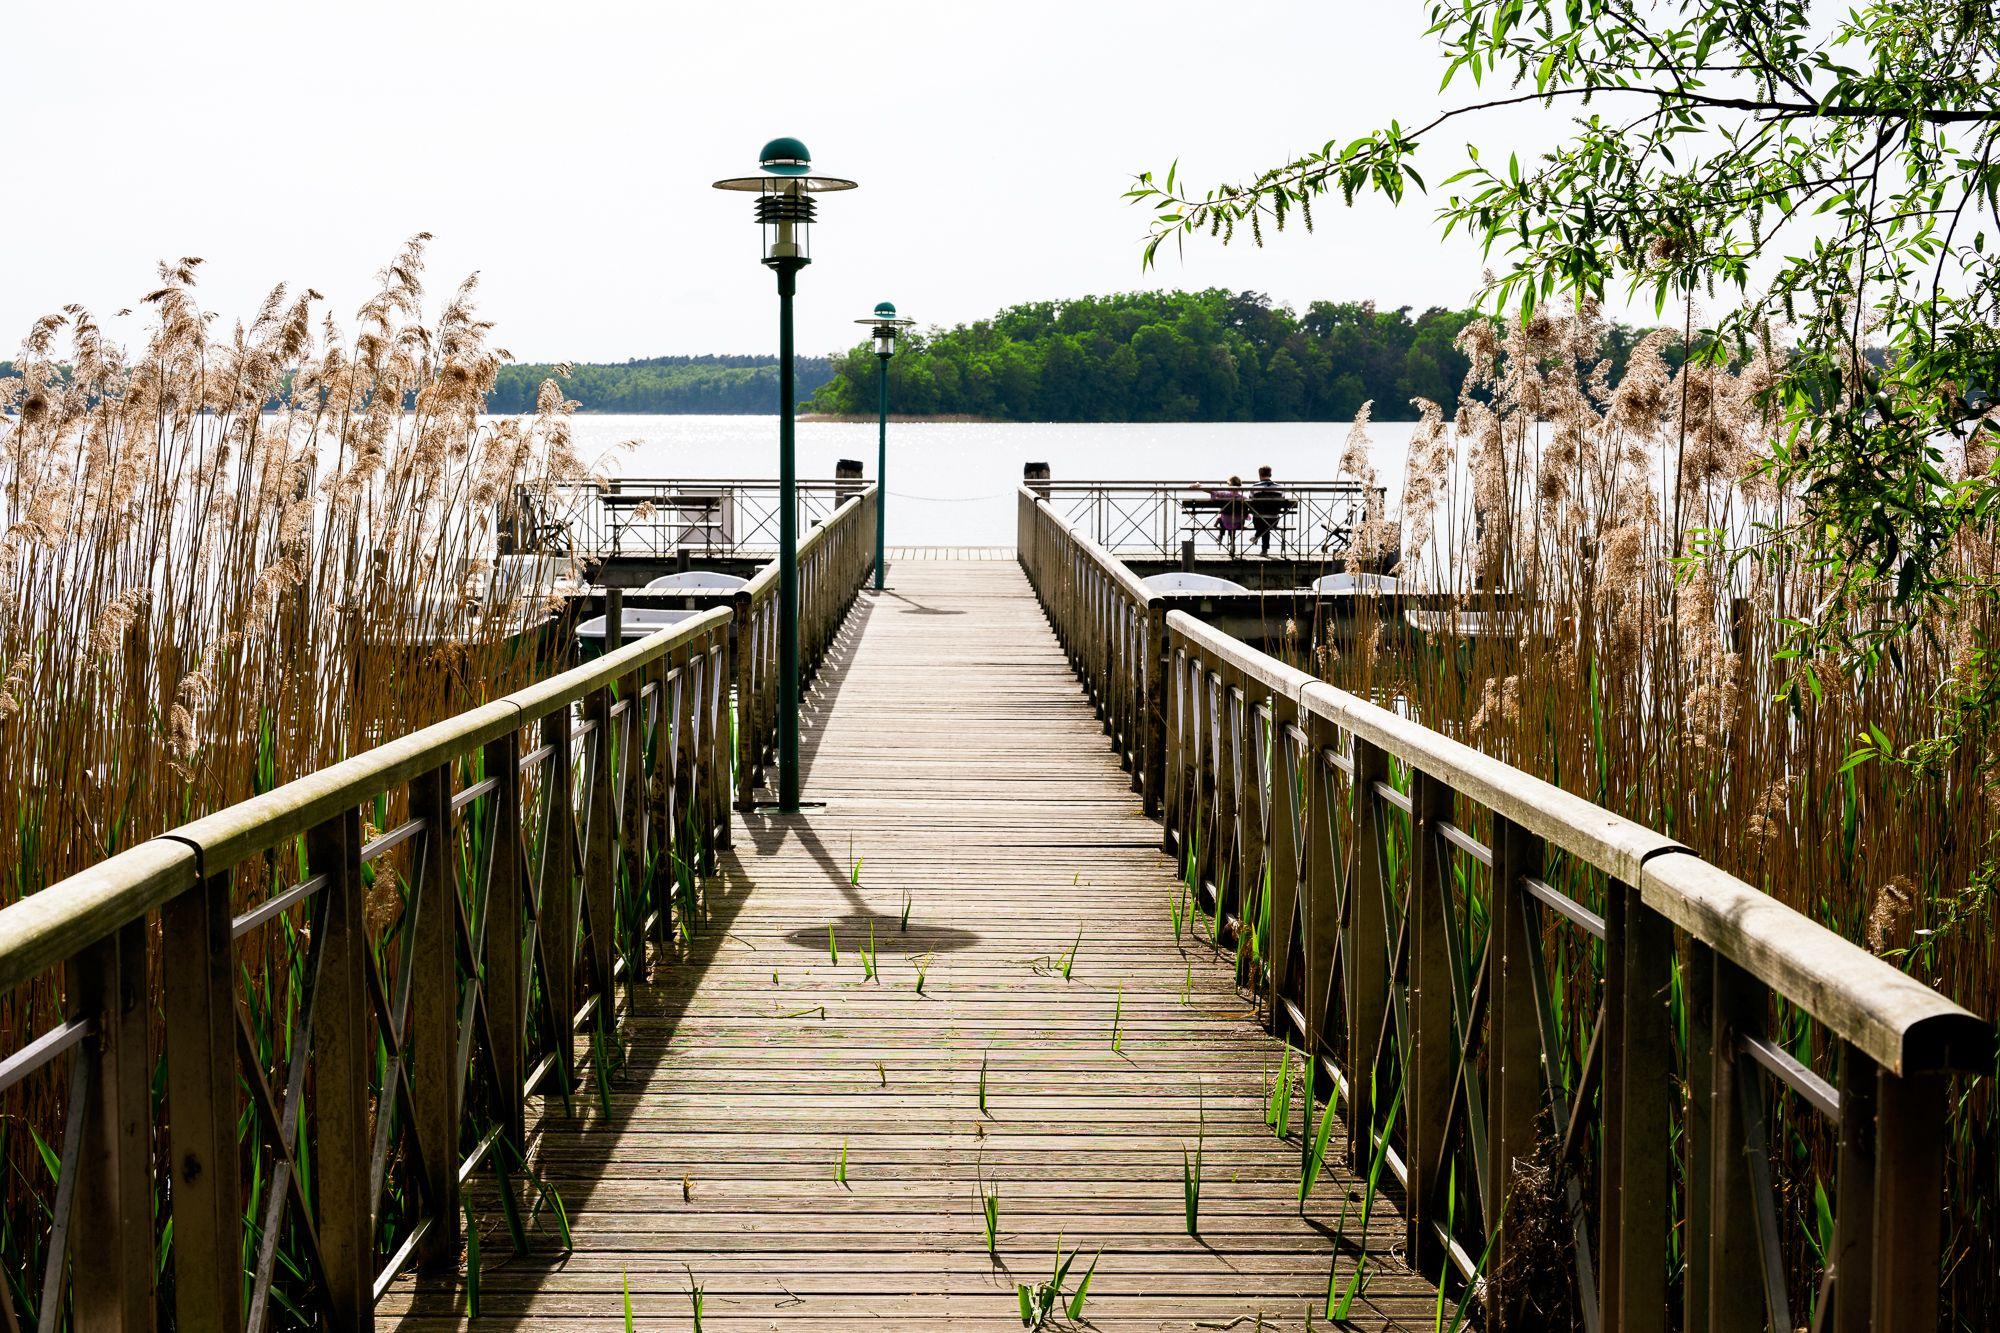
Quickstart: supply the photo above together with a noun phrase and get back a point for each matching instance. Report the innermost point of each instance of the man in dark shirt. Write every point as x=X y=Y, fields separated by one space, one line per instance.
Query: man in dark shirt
x=1267 y=509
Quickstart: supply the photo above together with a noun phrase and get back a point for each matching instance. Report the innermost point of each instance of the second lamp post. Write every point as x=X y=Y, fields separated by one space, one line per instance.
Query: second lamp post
x=885 y=323
x=785 y=208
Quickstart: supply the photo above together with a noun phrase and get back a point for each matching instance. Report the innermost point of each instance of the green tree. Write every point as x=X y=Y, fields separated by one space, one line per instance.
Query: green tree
x=1839 y=171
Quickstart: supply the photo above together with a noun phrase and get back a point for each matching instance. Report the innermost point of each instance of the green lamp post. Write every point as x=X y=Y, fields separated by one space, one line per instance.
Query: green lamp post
x=785 y=208
x=885 y=322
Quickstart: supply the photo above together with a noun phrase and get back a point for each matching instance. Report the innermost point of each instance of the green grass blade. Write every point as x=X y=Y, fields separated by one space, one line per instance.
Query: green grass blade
x=1083 y=1289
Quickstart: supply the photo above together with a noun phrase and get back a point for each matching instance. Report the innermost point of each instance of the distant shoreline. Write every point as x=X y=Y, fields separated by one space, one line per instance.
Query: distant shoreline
x=953 y=418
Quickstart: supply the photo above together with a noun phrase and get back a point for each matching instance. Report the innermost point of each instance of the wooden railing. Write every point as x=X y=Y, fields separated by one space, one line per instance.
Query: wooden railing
x=834 y=558
x=1398 y=902
x=356 y=982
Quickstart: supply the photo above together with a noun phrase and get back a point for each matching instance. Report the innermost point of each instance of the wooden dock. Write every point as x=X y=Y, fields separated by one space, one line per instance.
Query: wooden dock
x=966 y=782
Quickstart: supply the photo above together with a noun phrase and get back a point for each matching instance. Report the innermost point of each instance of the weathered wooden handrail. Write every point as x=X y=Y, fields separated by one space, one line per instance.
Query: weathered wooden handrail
x=1333 y=838
x=833 y=560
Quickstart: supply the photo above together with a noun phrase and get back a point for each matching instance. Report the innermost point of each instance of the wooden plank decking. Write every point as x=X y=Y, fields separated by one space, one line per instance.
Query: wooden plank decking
x=962 y=771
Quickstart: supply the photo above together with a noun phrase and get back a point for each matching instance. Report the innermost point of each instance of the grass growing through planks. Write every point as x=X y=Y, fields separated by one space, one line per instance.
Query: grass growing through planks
x=1076 y=1301
x=1358 y=1282
x=1191 y=1169
x=903 y=921
x=1187 y=904
x=922 y=963
x=625 y=1290
x=1040 y=1302
x=989 y=1212
x=1069 y=959
x=868 y=971
x=1118 y=1020
x=600 y=1071
x=984 y=1055
x=832 y=946
x=840 y=1167
x=696 y=1294
x=1314 y=1146
x=1278 y=1102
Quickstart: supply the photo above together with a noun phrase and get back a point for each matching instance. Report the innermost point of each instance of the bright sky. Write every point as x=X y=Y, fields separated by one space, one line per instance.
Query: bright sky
x=566 y=153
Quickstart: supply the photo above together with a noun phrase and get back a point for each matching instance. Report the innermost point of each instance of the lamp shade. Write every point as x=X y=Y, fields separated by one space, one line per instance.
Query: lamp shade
x=785 y=207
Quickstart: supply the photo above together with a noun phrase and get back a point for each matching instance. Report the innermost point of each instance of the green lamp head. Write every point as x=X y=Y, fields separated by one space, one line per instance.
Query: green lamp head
x=785 y=157
x=886 y=323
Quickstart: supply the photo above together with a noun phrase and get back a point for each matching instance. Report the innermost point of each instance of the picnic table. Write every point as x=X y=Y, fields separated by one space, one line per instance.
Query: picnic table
x=683 y=514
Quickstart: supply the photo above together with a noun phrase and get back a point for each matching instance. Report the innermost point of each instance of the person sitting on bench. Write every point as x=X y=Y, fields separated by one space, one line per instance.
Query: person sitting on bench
x=1267 y=510
x=1232 y=513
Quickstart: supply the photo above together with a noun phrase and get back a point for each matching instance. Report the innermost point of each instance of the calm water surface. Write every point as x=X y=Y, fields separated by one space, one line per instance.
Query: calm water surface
x=953 y=483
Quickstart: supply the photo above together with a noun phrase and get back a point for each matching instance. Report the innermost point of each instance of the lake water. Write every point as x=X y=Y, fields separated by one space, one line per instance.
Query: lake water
x=953 y=483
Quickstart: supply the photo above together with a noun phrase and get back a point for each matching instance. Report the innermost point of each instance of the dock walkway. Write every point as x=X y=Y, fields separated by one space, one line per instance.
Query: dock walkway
x=966 y=784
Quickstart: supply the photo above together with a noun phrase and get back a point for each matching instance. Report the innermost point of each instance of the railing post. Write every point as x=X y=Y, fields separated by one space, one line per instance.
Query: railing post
x=1152 y=743
x=680 y=804
x=600 y=853
x=1735 y=1269
x=1320 y=879
x=1226 y=850
x=555 y=917
x=1173 y=804
x=1611 y=1155
x=1251 y=808
x=1908 y=1203
x=1428 y=1080
x=198 y=966
x=716 y=751
x=343 y=1050
x=1282 y=854
x=112 y=1226
x=635 y=818
x=1131 y=670
x=1855 y=1240
x=1365 y=949
x=506 y=991
x=1638 y=1121
x=1698 y=986
x=434 y=1084
x=1513 y=1050
x=743 y=660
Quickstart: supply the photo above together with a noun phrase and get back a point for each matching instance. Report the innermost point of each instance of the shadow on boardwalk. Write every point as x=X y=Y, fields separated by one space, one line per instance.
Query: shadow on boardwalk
x=574 y=1152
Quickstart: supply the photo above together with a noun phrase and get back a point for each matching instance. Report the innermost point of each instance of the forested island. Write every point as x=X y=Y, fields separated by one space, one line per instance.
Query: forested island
x=663 y=384
x=1166 y=356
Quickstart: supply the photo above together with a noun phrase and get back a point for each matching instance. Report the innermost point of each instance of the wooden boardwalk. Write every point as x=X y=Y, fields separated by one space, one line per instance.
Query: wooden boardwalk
x=963 y=775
